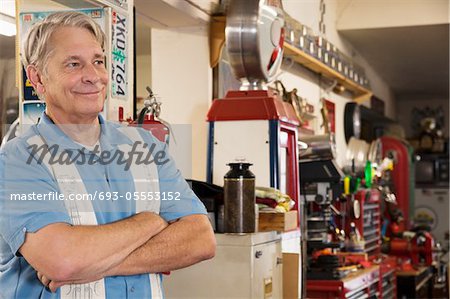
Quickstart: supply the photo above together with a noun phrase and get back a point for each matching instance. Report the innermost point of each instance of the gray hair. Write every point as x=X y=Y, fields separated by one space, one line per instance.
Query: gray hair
x=36 y=49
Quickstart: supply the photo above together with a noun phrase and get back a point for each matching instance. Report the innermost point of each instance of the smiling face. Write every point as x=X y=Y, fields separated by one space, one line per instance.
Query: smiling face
x=75 y=79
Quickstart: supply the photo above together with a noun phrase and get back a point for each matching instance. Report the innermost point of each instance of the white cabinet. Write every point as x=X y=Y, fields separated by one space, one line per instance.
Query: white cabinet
x=245 y=266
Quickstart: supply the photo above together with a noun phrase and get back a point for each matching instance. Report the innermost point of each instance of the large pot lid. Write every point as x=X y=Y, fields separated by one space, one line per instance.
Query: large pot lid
x=255 y=36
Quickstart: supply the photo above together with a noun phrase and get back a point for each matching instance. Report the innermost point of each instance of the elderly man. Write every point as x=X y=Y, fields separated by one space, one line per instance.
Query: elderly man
x=139 y=220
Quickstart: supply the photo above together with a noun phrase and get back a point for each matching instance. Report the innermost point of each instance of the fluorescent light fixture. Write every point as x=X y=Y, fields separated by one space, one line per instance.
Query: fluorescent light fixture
x=8 y=7
x=7 y=25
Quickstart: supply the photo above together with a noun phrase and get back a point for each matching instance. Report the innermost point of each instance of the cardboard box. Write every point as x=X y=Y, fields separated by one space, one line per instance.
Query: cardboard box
x=291 y=279
x=277 y=221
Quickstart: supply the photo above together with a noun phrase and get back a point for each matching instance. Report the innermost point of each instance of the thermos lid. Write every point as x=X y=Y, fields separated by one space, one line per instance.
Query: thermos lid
x=239 y=170
x=240 y=164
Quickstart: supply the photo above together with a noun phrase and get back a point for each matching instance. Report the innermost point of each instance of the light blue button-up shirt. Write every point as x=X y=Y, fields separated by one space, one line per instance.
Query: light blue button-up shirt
x=21 y=175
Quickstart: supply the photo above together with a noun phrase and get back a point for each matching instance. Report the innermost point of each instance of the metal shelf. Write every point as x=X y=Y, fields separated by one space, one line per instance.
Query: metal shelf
x=370 y=206
x=370 y=231
x=360 y=94
x=371 y=224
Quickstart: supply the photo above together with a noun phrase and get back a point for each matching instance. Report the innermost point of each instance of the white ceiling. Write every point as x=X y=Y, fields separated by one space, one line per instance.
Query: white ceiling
x=412 y=60
x=8 y=7
x=173 y=13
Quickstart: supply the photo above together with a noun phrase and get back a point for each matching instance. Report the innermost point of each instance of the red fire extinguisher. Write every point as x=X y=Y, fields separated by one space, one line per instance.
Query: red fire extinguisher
x=149 y=118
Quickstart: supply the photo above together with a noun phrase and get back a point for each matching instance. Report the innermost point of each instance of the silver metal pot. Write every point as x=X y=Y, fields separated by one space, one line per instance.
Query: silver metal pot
x=320 y=147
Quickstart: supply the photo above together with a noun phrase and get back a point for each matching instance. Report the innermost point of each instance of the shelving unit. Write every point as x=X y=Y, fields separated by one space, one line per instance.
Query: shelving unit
x=369 y=223
x=217 y=40
x=388 y=286
x=360 y=94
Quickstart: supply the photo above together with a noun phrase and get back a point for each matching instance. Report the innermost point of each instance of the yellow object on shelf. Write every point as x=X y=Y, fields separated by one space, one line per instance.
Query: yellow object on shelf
x=347 y=185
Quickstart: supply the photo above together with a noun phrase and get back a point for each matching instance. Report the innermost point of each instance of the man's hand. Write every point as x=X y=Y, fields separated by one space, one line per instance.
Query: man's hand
x=44 y=280
x=51 y=285
x=54 y=285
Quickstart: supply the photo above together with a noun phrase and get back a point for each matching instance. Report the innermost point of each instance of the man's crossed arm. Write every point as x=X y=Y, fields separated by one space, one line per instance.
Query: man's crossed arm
x=144 y=243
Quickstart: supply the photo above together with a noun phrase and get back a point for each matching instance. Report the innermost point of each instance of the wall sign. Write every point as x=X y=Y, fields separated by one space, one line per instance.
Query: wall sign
x=119 y=50
x=329 y=115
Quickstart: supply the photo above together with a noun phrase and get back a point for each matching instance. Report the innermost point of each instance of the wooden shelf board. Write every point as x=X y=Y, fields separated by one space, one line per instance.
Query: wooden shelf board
x=360 y=93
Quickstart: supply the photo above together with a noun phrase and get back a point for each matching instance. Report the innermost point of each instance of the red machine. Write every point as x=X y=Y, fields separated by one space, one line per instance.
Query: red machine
x=253 y=123
x=420 y=245
x=266 y=130
x=419 y=249
x=403 y=174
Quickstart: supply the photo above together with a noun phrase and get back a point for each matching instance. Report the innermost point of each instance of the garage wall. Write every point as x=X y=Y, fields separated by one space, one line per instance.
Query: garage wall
x=143 y=58
x=182 y=78
x=309 y=84
x=407 y=104
x=387 y=13
x=143 y=74
x=9 y=94
x=308 y=13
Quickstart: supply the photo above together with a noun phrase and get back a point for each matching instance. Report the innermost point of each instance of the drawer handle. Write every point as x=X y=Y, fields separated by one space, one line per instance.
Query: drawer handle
x=258 y=254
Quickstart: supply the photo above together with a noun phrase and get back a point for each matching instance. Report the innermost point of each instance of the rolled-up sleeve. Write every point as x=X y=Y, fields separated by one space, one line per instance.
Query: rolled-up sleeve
x=27 y=196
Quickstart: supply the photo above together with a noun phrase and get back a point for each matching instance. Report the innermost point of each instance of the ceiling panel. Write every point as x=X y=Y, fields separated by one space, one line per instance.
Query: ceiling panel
x=411 y=60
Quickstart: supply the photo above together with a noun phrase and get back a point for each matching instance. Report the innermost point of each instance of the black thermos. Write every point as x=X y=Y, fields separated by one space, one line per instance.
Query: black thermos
x=239 y=199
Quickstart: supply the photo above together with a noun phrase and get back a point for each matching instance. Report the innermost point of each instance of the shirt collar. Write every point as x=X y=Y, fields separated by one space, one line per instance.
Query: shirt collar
x=110 y=136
